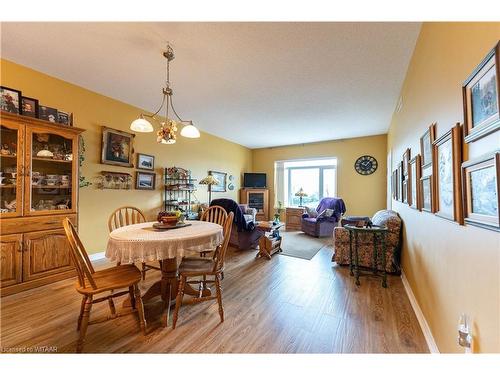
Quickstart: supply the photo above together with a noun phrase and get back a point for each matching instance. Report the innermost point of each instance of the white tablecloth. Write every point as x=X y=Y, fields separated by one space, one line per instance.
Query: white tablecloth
x=143 y=243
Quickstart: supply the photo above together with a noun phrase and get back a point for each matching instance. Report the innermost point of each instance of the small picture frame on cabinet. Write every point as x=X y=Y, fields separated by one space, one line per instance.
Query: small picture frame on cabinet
x=47 y=113
x=29 y=107
x=65 y=118
x=10 y=100
x=481 y=97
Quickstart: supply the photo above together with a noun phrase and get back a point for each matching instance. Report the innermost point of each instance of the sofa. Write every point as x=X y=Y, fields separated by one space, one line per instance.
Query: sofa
x=245 y=234
x=387 y=218
x=317 y=223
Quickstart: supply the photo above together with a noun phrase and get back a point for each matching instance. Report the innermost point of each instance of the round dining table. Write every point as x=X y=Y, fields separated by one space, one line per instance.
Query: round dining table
x=143 y=243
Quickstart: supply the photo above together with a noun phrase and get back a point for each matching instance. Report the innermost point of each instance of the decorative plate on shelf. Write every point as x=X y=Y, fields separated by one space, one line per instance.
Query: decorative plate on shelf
x=162 y=226
x=366 y=165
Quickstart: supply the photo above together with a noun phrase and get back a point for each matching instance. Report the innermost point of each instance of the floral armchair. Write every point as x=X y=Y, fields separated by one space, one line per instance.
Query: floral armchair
x=387 y=218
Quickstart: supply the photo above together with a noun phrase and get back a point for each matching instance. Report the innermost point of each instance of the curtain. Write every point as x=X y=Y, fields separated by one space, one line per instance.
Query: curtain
x=279 y=183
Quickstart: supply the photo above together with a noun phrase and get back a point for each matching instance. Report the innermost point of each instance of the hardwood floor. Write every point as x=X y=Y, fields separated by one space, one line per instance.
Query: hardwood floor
x=282 y=305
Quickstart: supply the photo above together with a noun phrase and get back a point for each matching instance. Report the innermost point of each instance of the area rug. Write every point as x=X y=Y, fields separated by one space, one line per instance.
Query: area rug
x=300 y=245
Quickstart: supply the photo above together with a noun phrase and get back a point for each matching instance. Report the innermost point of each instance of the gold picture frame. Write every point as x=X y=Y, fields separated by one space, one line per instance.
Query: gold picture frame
x=481 y=98
x=481 y=186
x=447 y=159
x=117 y=147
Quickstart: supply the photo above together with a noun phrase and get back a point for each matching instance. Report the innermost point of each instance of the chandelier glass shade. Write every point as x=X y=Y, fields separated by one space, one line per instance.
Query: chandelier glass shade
x=167 y=133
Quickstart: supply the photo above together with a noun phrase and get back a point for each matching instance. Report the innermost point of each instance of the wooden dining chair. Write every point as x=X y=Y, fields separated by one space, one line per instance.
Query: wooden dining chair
x=91 y=283
x=128 y=215
x=199 y=267
x=214 y=214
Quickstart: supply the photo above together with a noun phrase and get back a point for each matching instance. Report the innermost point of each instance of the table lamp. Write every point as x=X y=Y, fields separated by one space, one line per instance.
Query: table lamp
x=301 y=193
x=209 y=181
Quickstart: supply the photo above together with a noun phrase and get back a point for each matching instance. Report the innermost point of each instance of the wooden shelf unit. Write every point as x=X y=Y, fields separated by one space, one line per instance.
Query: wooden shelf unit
x=34 y=249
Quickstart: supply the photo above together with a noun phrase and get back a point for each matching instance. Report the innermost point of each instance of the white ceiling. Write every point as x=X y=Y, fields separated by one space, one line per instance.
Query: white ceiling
x=257 y=84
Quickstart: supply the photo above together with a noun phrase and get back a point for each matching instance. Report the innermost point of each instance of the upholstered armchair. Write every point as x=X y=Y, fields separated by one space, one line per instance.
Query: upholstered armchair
x=387 y=218
x=324 y=219
x=244 y=234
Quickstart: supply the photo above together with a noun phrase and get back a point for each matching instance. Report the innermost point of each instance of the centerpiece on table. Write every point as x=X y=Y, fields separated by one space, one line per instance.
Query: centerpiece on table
x=170 y=220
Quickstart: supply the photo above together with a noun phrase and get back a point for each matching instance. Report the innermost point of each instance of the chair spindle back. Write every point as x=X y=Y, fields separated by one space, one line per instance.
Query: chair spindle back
x=126 y=215
x=80 y=257
x=220 y=252
x=215 y=214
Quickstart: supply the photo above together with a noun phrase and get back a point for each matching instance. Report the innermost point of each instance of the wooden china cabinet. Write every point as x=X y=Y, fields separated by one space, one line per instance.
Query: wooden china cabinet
x=38 y=189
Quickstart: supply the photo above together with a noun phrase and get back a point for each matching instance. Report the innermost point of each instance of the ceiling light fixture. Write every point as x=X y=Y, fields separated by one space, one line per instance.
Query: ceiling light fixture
x=168 y=128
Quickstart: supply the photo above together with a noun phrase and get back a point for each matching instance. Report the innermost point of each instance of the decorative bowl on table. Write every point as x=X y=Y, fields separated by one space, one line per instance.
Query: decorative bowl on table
x=168 y=217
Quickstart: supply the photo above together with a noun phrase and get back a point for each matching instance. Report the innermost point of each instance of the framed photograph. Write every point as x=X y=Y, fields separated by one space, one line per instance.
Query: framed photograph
x=146 y=162
x=414 y=182
x=394 y=181
x=406 y=161
x=47 y=113
x=10 y=100
x=145 y=180
x=29 y=107
x=117 y=147
x=481 y=191
x=64 y=118
x=427 y=193
x=400 y=178
x=447 y=151
x=221 y=177
x=426 y=145
x=481 y=97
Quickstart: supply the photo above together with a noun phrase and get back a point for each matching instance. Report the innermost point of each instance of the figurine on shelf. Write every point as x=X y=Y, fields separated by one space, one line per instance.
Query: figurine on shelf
x=63 y=205
x=10 y=206
x=5 y=149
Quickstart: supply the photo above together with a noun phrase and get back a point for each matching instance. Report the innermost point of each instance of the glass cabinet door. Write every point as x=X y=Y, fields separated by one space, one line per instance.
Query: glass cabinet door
x=52 y=171
x=11 y=171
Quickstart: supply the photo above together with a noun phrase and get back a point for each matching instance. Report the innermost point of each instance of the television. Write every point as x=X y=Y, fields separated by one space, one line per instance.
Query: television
x=254 y=180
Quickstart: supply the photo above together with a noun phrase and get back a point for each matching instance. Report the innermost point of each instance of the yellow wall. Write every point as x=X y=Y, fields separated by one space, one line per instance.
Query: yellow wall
x=363 y=195
x=452 y=269
x=91 y=111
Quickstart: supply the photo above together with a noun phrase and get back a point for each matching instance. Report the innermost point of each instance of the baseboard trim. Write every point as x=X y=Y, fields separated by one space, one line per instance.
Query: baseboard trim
x=431 y=343
x=96 y=256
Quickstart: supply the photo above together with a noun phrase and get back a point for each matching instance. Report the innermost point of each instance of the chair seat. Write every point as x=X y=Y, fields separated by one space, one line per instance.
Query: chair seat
x=196 y=265
x=112 y=278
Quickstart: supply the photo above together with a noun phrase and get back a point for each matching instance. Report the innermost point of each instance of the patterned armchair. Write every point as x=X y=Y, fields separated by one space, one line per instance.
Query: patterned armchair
x=387 y=218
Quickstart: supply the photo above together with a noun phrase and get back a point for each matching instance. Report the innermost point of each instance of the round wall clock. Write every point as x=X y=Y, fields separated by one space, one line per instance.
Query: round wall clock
x=366 y=165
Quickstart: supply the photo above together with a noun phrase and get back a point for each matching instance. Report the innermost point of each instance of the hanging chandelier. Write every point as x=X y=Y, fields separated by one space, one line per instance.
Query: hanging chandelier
x=167 y=134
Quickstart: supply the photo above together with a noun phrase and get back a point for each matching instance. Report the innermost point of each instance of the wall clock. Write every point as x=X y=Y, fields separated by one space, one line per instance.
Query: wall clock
x=366 y=165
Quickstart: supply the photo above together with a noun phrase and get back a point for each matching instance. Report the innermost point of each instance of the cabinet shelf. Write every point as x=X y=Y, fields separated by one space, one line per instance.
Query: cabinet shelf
x=10 y=186
x=8 y=156
x=50 y=187
x=52 y=160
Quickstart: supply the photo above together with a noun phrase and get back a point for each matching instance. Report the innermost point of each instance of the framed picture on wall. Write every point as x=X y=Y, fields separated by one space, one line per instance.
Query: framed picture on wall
x=426 y=193
x=481 y=191
x=481 y=97
x=400 y=178
x=221 y=177
x=117 y=147
x=447 y=161
x=145 y=180
x=415 y=175
x=426 y=141
x=406 y=161
x=146 y=162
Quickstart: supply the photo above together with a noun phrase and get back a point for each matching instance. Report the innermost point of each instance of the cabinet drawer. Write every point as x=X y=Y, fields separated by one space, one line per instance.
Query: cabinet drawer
x=10 y=260
x=31 y=224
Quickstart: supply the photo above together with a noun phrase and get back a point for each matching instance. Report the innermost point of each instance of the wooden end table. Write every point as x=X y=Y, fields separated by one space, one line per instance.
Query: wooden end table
x=379 y=233
x=268 y=245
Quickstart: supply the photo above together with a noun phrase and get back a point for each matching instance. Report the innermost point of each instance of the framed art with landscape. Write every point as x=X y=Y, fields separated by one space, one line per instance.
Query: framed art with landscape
x=481 y=191
x=481 y=97
x=145 y=180
x=447 y=161
x=221 y=177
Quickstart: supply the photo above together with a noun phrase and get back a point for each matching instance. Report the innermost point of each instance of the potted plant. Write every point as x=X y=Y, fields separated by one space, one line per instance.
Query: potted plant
x=277 y=213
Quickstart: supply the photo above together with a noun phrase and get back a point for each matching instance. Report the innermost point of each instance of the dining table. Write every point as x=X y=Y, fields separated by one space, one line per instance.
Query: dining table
x=144 y=243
